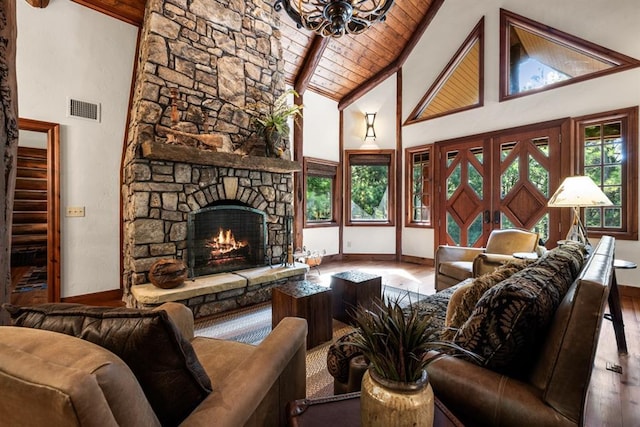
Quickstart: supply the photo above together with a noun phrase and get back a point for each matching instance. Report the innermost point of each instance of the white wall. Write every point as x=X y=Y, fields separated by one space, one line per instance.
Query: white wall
x=597 y=21
x=321 y=141
x=68 y=50
x=382 y=101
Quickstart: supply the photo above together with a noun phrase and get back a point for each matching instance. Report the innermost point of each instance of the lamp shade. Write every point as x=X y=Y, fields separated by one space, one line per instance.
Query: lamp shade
x=578 y=191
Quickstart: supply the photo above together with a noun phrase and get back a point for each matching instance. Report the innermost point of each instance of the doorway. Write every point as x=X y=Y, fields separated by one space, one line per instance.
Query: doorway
x=35 y=236
x=501 y=180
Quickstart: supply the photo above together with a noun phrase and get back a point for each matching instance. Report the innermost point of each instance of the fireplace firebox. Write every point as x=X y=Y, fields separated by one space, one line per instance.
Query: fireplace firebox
x=225 y=238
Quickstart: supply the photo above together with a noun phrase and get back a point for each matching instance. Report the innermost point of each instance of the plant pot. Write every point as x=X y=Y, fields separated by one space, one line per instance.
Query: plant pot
x=273 y=142
x=385 y=403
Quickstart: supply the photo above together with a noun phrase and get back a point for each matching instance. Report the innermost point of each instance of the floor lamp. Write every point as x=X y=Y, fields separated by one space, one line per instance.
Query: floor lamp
x=577 y=192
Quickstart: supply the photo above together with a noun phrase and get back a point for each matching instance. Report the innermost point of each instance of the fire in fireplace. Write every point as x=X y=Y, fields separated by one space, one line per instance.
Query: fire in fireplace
x=225 y=238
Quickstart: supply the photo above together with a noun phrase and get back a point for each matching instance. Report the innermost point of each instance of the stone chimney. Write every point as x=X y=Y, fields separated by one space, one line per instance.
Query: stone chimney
x=202 y=62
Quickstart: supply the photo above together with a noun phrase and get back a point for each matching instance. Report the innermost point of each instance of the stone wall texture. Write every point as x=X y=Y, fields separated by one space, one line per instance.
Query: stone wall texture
x=211 y=59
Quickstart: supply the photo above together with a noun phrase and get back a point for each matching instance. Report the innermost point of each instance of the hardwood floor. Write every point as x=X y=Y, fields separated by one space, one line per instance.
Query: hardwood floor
x=28 y=295
x=613 y=399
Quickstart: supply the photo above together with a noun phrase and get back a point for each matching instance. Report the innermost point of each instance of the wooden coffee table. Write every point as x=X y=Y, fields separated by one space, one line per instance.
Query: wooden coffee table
x=344 y=411
x=306 y=300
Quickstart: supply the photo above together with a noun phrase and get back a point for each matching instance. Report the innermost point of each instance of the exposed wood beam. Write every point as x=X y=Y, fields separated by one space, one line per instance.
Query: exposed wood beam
x=386 y=72
x=298 y=184
x=130 y=11
x=311 y=61
x=399 y=160
x=342 y=186
x=8 y=144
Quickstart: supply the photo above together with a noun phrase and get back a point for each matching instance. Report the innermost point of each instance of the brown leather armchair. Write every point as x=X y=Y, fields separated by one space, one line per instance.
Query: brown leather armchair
x=455 y=263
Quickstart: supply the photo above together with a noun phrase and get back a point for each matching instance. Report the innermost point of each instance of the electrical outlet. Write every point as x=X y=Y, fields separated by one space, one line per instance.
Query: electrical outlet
x=75 y=211
x=348 y=243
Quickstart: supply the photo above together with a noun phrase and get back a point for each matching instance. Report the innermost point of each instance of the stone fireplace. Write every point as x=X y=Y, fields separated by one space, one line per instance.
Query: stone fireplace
x=204 y=65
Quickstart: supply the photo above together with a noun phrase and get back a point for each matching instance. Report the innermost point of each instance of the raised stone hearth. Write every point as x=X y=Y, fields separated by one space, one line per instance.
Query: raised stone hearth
x=209 y=295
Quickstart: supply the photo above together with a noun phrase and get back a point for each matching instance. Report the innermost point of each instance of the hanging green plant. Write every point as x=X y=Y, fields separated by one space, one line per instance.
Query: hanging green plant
x=273 y=126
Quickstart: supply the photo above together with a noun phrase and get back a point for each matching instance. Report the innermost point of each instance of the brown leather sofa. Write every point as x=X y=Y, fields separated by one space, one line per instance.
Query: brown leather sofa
x=53 y=379
x=553 y=392
x=456 y=263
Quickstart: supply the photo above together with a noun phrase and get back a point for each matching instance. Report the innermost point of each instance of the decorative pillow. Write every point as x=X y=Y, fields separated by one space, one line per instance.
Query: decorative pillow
x=464 y=299
x=162 y=360
x=510 y=319
x=453 y=307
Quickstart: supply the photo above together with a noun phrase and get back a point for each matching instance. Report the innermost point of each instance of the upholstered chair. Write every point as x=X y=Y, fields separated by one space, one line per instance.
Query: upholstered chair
x=455 y=263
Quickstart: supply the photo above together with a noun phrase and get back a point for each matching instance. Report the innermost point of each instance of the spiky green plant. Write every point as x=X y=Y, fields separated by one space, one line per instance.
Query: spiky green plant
x=277 y=117
x=396 y=341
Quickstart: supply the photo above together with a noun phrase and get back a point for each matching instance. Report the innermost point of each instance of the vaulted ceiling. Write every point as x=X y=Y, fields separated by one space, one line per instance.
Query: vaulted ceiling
x=342 y=68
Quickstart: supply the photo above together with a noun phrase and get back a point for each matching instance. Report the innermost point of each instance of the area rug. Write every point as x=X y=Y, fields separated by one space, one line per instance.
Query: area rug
x=251 y=325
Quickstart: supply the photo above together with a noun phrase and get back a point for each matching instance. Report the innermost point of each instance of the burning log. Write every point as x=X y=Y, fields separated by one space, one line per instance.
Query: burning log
x=168 y=273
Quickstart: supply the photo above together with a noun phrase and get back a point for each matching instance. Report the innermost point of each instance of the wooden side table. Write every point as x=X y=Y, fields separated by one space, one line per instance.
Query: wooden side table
x=614 y=305
x=344 y=411
x=308 y=301
x=351 y=288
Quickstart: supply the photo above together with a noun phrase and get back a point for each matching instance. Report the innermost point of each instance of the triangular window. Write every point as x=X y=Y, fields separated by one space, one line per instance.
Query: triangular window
x=535 y=57
x=460 y=85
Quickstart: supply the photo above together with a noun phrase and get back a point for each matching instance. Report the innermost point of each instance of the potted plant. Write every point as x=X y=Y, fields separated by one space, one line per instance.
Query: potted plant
x=396 y=342
x=274 y=125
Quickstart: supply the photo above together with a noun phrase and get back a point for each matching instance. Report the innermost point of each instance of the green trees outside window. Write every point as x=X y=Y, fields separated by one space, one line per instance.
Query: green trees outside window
x=419 y=186
x=369 y=192
x=603 y=149
x=370 y=183
x=319 y=198
x=322 y=189
x=608 y=155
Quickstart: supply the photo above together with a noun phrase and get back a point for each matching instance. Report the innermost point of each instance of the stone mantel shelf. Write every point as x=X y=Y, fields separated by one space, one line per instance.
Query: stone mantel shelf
x=184 y=154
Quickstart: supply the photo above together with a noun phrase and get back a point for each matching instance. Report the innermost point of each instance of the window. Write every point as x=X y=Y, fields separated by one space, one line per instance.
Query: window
x=370 y=178
x=535 y=57
x=460 y=86
x=606 y=144
x=419 y=186
x=321 y=187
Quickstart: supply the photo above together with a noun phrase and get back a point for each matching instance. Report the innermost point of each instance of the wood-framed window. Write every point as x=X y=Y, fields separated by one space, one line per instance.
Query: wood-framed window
x=419 y=186
x=607 y=153
x=322 y=193
x=535 y=57
x=460 y=86
x=370 y=187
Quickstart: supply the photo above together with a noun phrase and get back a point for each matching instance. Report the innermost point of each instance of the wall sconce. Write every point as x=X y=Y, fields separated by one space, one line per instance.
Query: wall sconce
x=370 y=119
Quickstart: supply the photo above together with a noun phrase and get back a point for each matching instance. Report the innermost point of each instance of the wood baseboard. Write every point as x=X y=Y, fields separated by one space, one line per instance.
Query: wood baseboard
x=332 y=258
x=111 y=298
x=429 y=262
x=369 y=257
x=629 y=291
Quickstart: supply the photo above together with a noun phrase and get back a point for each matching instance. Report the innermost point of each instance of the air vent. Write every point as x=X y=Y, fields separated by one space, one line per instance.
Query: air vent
x=83 y=110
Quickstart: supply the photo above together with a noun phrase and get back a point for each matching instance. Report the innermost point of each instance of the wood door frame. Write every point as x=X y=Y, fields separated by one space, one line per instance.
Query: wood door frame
x=53 y=201
x=566 y=152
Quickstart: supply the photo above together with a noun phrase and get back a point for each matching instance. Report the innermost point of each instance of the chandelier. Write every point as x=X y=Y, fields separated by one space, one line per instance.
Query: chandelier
x=334 y=18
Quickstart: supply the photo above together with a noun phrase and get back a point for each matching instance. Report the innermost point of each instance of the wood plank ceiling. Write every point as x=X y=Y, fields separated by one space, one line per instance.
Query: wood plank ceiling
x=342 y=68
